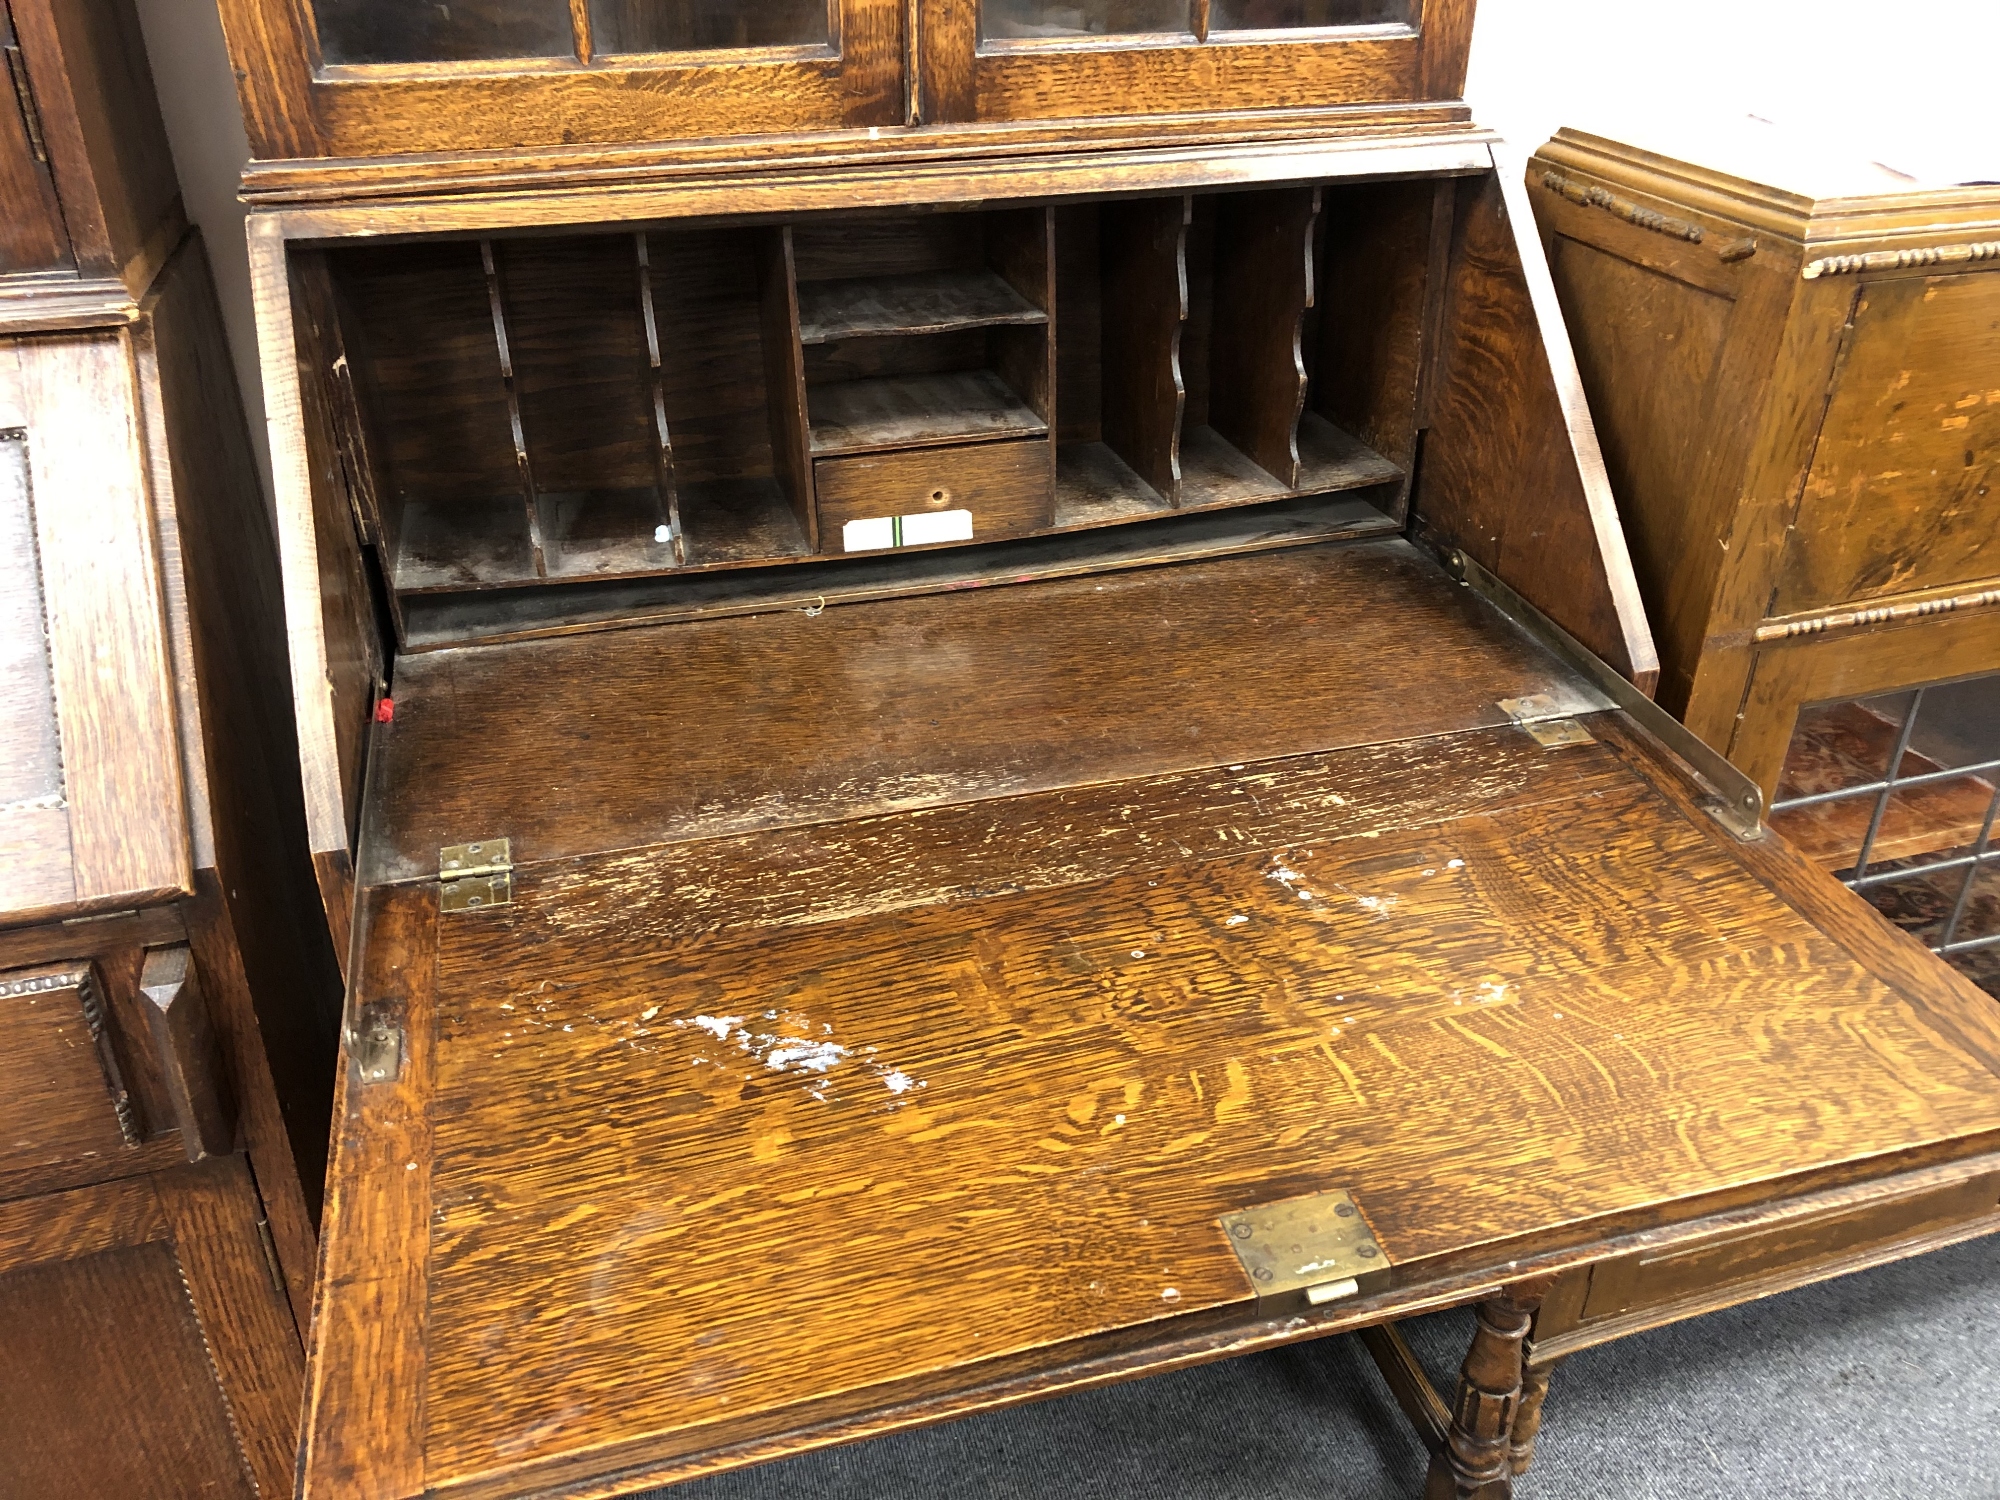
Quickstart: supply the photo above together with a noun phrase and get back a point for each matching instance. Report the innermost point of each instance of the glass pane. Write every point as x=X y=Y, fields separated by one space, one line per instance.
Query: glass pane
x=381 y=31
x=1286 y=15
x=1032 y=19
x=703 y=25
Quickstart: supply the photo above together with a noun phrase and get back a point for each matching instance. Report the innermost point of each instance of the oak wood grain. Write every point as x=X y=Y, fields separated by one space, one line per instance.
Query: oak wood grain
x=929 y=701
x=1019 y=1021
x=1540 y=514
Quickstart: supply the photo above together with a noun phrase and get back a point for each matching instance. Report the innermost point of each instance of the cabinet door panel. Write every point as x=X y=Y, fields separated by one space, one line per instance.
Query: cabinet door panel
x=1052 y=59
x=95 y=811
x=32 y=237
x=1899 y=494
x=147 y=1353
x=504 y=74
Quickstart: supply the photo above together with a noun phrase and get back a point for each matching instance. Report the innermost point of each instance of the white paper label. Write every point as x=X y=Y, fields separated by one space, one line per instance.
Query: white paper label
x=937 y=526
x=869 y=534
x=873 y=533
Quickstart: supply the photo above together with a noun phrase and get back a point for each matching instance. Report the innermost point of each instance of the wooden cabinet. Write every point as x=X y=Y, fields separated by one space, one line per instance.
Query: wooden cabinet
x=357 y=79
x=168 y=994
x=930 y=747
x=1792 y=361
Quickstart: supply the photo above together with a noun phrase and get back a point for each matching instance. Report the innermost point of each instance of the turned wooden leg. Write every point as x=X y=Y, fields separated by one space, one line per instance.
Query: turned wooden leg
x=1476 y=1461
x=1528 y=1417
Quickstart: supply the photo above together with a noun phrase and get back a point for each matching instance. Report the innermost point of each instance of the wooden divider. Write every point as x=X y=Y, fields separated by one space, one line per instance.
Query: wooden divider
x=663 y=448
x=785 y=376
x=1145 y=298
x=1263 y=288
x=496 y=299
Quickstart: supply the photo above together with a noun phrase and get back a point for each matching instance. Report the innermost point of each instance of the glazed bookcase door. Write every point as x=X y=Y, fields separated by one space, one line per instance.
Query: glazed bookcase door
x=1055 y=59
x=374 y=77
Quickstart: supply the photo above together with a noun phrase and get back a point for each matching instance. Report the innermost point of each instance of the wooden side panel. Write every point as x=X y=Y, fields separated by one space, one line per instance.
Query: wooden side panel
x=102 y=594
x=260 y=935
x=1904 y=492
x=337 y=663
x=784 y=375
x=1511 y=471
x=1373 y=287
x=1650 y=346
x=364 y=1414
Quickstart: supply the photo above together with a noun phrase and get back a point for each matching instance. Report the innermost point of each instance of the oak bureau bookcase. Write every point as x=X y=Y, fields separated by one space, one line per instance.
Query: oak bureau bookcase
x=967 y=699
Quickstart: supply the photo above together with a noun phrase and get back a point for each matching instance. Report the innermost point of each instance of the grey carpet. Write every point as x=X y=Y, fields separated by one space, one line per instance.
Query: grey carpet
x=1885 y=1385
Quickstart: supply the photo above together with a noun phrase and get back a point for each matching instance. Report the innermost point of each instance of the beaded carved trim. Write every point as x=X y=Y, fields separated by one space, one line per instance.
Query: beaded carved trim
x=1591 y=196
x=1881 y=614
x=1903 y=260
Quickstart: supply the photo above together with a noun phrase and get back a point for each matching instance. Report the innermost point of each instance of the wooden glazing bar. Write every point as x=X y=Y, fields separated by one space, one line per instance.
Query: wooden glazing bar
x=785 y=376
x=1263 y=289
x=1145 y=294
x=496 y=300
x=663 y=449
x=580 y=34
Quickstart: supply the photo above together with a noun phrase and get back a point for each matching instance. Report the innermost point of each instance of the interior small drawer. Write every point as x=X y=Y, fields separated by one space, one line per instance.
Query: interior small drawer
x=970 y=492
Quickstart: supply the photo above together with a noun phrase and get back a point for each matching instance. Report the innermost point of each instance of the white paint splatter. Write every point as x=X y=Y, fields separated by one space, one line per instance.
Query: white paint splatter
x=1170 y=1293
x=1454 y=864
x=1138 y=952
x=1377 y=906
x=718 y=1027
x=789 y=1052
x=900 y=1082
x=1235 y=921
x=649 y=1012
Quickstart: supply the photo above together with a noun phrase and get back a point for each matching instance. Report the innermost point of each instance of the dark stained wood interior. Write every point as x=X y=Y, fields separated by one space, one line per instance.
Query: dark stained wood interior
x=636 y=736
x=605 y=406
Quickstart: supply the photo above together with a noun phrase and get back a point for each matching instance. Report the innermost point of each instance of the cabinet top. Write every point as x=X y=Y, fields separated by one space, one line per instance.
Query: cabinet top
x=1787 y=179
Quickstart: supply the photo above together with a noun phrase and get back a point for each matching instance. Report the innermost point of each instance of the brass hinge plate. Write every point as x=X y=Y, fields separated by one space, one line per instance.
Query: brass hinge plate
x=473 y=877
x=1546 y=721
x=1306 y=1251
x=377 y=1048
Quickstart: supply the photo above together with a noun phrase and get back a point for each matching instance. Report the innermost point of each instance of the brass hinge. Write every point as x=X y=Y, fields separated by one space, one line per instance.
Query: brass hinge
x=376 y=1045
x=270 y=1254
x=31 y=117
x=472 y=877
x=1311 y=1250
x=1546 y=721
